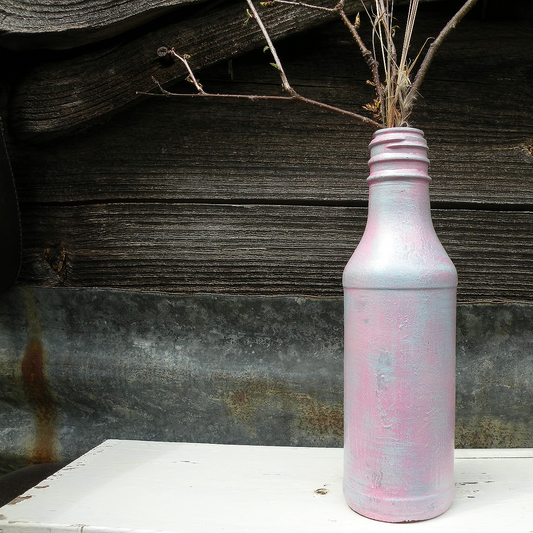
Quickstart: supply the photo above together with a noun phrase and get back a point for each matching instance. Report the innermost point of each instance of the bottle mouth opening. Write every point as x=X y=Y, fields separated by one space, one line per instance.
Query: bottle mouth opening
x=401 y=129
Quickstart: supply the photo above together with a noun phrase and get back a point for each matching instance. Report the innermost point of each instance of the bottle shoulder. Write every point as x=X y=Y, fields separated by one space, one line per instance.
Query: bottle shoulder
x=389 y=262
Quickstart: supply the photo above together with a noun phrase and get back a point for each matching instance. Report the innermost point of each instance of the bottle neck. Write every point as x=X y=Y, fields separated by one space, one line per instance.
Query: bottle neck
x=398 y=180
x=399 y=248
x=398 y=202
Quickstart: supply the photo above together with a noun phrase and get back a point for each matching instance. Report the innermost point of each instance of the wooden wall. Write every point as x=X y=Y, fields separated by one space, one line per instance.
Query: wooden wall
x=189 y=195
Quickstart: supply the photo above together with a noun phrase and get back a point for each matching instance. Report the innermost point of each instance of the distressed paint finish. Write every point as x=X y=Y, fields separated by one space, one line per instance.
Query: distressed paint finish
x=400 y=311
x=125 y=486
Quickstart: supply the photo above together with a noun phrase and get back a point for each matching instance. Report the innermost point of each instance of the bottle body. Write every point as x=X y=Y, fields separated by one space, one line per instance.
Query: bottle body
x=400 y=307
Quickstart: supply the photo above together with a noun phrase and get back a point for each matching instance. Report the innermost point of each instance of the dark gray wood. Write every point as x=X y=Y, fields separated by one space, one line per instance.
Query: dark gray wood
x=192 y=195
x=229 y=151
x=59 y=24
x=254 y=249
x=473 y=109
x=77 y=90
x=62 y=93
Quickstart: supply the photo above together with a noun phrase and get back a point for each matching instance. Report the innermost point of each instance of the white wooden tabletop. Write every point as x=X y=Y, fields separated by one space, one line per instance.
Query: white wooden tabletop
x=133 y=486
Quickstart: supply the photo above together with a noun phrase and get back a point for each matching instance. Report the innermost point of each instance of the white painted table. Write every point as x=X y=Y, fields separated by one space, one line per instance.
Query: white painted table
x=131 y=486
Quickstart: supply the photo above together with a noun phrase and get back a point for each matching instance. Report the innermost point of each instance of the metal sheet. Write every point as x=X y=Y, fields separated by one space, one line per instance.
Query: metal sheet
x=81 y=366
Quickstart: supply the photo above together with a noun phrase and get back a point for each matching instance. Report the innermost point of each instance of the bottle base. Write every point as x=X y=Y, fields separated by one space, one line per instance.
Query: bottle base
x=399 y=510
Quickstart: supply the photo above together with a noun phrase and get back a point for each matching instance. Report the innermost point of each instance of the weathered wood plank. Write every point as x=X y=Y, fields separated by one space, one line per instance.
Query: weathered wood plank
x=232 y=152
x=254 y=249
x=164 y=154
x=57 y=24
x=76 y=90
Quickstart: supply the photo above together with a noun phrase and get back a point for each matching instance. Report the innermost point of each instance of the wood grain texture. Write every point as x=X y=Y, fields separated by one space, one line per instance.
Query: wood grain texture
x=60 y=24
x=254 y=249
x=75 y=90
x=28 y=24
x=192 y=195
x=276 y=153
x=60 y=93
x=478 y=130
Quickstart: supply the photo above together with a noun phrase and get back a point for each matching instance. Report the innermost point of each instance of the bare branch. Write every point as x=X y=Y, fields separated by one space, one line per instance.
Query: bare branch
x=432 y=50
x=395 y=96
x=250 y=97
x=337 y=110
x=192 y=77
x=352 y=27
x=269 y=3
x=367 y=54
x=293 y=97
x=284 y=81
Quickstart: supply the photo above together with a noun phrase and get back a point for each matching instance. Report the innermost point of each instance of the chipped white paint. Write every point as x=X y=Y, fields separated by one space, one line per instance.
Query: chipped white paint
x=139 y=487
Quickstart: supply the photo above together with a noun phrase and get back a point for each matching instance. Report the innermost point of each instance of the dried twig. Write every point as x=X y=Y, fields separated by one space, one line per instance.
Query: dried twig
x=367 y=54
x=270 y=3
x=261 y=97
x=395 y=93
x=192 y=77
x=293 y=97
x=292 y=93
x=284 y=81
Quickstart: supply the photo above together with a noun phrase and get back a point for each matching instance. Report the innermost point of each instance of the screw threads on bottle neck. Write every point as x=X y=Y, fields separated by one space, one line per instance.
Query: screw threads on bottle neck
x=397 y=153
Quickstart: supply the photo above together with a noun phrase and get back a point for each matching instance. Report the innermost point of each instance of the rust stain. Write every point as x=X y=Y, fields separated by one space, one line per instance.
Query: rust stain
x=485 y=432
x=19 y=499
x=249 y=398
x=323 y=419
x=37 y=390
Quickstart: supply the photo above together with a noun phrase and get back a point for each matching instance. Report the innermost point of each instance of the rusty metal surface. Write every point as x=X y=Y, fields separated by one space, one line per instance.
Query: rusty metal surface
x=495 y=376
x=81 y=366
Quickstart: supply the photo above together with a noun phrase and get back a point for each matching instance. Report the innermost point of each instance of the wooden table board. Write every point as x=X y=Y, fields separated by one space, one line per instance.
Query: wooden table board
x=137 y=486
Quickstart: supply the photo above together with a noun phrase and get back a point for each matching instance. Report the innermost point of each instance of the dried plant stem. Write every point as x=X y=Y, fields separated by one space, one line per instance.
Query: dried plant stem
x=269 y=3
x=373 y=65
x=260 y=97
x=339 y=8
x=432 y=50
x=336 y=110
x=397 y=112
x=395 y=92
x=293 y=97
x=192 y=77
x=284 y=81
x=352 y=27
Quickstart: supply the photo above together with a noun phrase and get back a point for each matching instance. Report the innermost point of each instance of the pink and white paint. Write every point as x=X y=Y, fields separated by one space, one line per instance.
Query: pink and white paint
x=400 y=304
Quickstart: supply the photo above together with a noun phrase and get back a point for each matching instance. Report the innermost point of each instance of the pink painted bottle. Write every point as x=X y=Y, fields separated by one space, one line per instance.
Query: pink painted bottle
x=399 y=369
